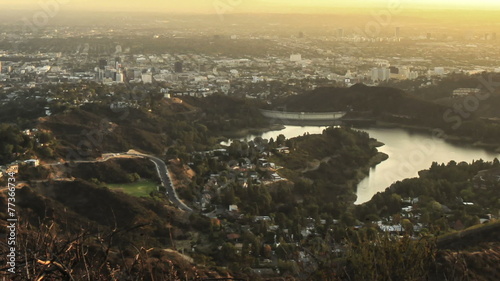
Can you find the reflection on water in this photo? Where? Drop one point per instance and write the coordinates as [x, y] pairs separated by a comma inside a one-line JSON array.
[[288, 132], [409, 152]]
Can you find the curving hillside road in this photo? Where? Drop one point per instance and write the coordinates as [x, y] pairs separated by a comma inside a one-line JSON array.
[[161, 168], [164, 175]]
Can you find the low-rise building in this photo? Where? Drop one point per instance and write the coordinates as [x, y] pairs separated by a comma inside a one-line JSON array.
[[463, 92]]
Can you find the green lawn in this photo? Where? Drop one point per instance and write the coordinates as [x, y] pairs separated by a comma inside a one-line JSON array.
[[141, 188]]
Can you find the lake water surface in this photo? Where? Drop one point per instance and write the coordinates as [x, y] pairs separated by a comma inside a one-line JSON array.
[[409, 152]]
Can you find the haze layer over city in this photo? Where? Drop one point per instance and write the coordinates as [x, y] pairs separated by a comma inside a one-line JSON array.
[[250, 140]]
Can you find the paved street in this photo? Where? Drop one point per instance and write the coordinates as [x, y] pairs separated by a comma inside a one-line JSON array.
[[161, 168]]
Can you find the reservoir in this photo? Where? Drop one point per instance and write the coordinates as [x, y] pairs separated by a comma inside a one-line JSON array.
[[409, 152]]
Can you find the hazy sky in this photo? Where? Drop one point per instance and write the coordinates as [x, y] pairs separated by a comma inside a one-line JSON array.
[[243, 6]]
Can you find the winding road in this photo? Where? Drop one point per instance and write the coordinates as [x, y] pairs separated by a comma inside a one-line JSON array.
[[161, 168], [164, 175]]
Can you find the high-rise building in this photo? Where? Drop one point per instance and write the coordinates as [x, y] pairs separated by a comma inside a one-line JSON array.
[[493, 36], [178, 67], [100, 74], [118, 63], [384, 74], [374, 74], [103, 63], [429, 36], [413, 75], [119, 77], [147, 78], [380, 74], [396, 34]]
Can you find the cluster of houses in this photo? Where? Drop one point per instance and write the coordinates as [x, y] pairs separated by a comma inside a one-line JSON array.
[[234, 223], [14, 166], [241, 171]]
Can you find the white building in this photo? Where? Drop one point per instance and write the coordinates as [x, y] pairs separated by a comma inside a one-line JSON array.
[[147, 78], [404, 72], [200, 79], [462, 92], [33, 162], [119, 77], [413, 75], [295, 57], [380, 74], [438, 70]]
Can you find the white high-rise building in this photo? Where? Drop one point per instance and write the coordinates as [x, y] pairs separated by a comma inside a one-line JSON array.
[[119, 77], [380, 74], [374, 74], [384, 74], [413, 75], [100, 74], [147, 78]]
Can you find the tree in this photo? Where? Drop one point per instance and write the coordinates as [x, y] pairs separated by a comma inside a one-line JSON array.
[[228, 197], [280, 140], [228, 252], [467, 194], [46, 152], [387, 259], [235, 149], [436, 206], [267, 251], [348, 219], [408, 226], [396, 219], [44, 137]]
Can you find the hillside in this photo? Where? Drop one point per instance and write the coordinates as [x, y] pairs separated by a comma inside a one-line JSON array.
[[470, 254], [373, 101], [194, 124], [485, 109], [70, 227], [394, 106]]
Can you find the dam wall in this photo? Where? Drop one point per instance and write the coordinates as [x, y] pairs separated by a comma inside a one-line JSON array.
[[303, 116]]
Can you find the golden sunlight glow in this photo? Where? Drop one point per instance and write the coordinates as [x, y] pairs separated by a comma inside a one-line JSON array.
[[243, 6]]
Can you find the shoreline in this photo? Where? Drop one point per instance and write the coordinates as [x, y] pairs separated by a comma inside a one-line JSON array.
[[363, 172], [491, 147], [453, 139], [251, 131]]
